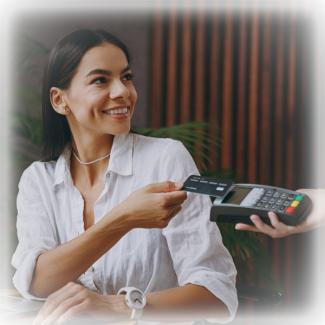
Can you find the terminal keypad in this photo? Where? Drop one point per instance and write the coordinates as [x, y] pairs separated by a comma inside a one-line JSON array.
[[279, 201]]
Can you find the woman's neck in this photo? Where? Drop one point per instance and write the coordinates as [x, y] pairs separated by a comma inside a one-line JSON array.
[[89, 150]]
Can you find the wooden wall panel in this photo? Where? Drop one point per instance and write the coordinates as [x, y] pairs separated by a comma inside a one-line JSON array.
[[214, 77], [253, 97], [199, 66], [241, 120], [242, 72], [171, 69], [227, 95], [265, 105], [291, 102], [156, 70], [278, 152], [185, 64]]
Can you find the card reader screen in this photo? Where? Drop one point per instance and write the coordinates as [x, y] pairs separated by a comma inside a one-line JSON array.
[[237, 195]]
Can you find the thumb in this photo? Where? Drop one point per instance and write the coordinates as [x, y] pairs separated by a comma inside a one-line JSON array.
[[167, 186]]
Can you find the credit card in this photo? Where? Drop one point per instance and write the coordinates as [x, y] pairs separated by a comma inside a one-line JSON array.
[[207, 185]]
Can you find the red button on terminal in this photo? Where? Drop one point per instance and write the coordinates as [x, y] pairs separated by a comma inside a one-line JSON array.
[[290, 210]]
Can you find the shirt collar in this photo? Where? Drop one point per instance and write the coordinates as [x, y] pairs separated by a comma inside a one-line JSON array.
[[62, 166], [121, 159]]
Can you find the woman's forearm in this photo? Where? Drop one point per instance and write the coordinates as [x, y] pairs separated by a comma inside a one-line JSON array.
[[188, 302], [149, 207], [67, 262]]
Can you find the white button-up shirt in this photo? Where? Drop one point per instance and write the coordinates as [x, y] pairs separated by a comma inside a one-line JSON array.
[[188, 250]]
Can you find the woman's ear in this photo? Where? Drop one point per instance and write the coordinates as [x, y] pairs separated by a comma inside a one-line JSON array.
[[57, 101]]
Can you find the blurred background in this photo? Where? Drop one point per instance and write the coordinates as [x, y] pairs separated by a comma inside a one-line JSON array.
[[233, 84]]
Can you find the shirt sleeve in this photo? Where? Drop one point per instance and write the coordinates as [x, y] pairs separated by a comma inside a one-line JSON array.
[[195, 243], [34, 231]]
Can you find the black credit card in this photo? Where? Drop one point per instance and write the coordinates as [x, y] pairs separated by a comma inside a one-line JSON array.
[[207, 185]]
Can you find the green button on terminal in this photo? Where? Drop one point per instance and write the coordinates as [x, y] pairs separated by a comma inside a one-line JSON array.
[[299, 197]]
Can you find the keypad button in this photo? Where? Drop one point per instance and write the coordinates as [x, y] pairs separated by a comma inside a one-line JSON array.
[[272, 200], [291, 196], [274, 207], [283, 195], [281, 208], [286, 203], [269, 193], [266, 206], [259, 204], [279, 201], [276, 194], [264, 199], [295, 203], [290, 210]]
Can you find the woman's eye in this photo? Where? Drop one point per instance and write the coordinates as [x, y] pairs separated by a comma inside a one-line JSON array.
[[128, 76], [99, 81]]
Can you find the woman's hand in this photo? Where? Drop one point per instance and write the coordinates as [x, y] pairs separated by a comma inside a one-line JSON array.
[[75, 301], [152, 206], [315, 219]]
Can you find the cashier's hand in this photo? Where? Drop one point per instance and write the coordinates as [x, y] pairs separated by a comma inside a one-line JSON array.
[[75, 302], [315, 219]]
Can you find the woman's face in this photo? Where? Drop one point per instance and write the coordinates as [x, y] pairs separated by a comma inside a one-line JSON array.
[[101, 96]]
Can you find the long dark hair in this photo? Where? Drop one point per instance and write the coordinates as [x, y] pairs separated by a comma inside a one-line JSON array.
[[62, 64]]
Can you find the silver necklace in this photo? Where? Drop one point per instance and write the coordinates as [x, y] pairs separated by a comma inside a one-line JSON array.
[[89, 162]]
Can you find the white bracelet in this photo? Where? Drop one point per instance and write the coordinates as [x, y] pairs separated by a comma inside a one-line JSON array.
[[135, 299]]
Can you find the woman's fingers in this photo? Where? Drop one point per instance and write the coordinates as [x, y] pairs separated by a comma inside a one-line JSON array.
[[276, 223], [276, 230], [163, 187], [55, 299], [61, 309], [174, 211], [260, 225], [244, 226], [171, 213], [175, 198], [281, 229], [72, 312]]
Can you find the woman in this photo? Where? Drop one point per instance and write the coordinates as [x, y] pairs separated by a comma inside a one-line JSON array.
[[98, 214]]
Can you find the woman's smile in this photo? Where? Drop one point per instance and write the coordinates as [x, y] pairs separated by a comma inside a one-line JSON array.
[[118, 113]]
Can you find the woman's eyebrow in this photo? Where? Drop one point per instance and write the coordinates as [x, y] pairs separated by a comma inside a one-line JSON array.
[[105, 72]]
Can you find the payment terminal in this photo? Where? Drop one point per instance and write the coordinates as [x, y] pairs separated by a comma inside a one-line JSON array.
[[235, 203]]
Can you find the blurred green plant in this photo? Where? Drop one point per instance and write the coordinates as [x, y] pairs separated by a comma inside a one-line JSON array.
[[194, 135]]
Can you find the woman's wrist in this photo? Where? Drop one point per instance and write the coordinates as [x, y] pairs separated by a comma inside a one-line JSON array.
[[116, 303], [116, 221]]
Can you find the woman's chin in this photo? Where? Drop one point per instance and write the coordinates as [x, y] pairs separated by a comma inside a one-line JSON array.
[[119, 130]]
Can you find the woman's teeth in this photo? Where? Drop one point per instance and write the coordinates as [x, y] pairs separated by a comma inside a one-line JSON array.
[[123, 110]]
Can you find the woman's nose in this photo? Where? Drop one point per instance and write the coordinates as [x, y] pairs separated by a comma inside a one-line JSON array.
[[118, 89]]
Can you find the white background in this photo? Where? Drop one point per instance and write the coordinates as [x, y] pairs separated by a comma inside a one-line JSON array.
[[314, 9]]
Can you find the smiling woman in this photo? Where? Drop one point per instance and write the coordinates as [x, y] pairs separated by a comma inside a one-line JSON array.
[[79, 77], [101, 91], [104, 212]]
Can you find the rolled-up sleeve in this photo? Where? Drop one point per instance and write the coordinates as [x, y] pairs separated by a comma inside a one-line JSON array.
[[195, 244], [34, 230]]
